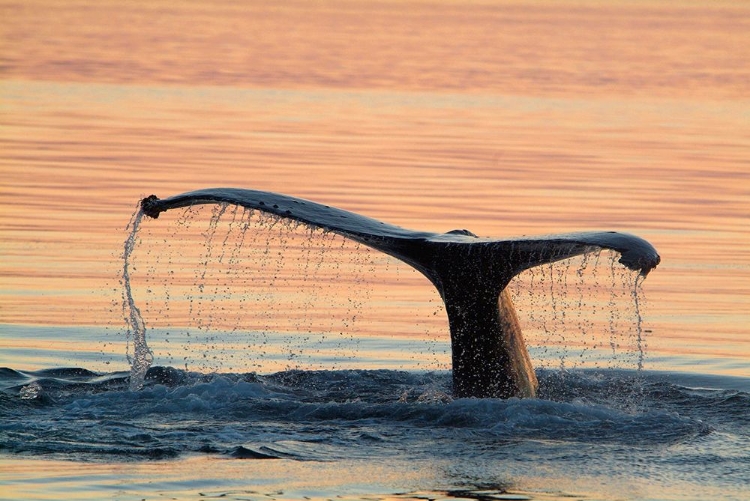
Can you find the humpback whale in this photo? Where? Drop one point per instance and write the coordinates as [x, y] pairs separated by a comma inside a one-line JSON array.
[[489, 356]]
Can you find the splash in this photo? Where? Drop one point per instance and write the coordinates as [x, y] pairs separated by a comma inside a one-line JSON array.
[[471, 274], [142, 357], [241, 290], [637, 282], [582, 313], [233, 289]]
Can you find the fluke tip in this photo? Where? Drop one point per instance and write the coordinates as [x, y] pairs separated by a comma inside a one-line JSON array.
[[150, 206]]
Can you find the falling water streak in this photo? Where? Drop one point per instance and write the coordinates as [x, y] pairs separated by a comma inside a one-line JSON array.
[[211, 346], [142, 355], [326, 292], [308, 268], [361, 255], [203, 325], [580, 319], [639, 278], [266, 222], [223, 291], [281, 279], [222, 270], [306, 249], [612, 309], [556, 312], [234, 274]]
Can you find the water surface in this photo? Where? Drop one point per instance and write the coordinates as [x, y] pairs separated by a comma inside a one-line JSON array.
[[506, 118]]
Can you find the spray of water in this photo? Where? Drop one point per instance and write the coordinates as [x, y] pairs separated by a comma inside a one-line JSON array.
[[142, 357], [583, 312], [245, 290]]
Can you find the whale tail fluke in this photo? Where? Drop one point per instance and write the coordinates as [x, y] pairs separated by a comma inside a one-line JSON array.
[[489, 355]]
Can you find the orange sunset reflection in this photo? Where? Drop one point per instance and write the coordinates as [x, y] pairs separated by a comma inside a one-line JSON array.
[[605, 115]]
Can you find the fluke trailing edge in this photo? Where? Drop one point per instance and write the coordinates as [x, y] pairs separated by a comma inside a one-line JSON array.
[[488, 351]]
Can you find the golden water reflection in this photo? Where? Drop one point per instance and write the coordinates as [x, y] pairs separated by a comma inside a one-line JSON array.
[[500, 117]]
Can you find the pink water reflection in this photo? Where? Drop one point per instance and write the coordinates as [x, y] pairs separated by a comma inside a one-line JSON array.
[[506, 119]]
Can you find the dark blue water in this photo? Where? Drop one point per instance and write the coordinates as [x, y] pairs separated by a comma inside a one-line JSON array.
[[684, 429]]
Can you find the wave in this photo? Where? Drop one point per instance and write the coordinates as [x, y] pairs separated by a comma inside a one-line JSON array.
[[329, 415]]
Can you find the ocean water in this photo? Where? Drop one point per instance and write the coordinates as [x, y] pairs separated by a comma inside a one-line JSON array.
[[382, 433], [293, 364]]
